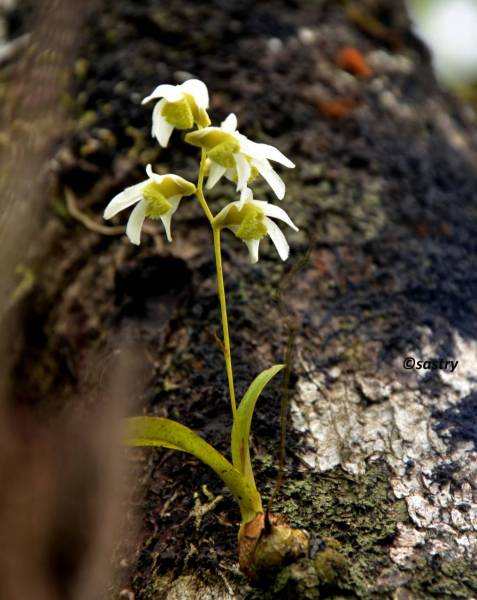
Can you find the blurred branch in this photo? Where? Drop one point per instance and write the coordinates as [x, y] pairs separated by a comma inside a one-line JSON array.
[[31, 119]]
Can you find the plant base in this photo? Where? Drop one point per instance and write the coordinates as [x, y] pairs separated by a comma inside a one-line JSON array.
[[267, 543]]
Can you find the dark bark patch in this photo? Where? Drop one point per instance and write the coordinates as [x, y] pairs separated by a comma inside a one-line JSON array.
[[145, 284], [458, 423]]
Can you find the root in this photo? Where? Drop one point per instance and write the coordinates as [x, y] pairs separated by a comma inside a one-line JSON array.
[[87, 221]]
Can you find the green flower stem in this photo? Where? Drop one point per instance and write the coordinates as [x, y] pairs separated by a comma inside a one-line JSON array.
[[220, 281], [225, 323], [200, 188]]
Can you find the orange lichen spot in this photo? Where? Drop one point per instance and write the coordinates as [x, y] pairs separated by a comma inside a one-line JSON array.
[[324, 262], [351, 60], [336, 109], [445, 230], [423, 230]]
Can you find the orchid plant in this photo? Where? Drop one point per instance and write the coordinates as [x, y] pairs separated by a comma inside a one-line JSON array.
[[224, 152]]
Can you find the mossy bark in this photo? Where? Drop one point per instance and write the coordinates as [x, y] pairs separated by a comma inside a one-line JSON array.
[[381, 460]]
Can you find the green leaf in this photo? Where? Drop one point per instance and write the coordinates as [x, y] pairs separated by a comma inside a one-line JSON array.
[[243, 421], [157, 431]]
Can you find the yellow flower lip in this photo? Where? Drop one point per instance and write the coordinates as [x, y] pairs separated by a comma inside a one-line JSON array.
[[179, 114], [157, 204], [223, 153], [252, 226]]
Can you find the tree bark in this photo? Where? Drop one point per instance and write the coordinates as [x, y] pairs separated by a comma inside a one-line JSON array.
[[381, 459]]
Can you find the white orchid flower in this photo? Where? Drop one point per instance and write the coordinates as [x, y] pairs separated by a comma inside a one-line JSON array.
[[251, 222], [232, 154], [157, 197], [181, 106]]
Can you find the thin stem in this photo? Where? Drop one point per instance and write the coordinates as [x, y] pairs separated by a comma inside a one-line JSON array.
[[292, 327], [225, 324], [220, 281], [284, 408], [200, 188]]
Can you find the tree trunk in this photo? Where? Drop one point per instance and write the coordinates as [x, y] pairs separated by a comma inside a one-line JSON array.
[[381, 459]]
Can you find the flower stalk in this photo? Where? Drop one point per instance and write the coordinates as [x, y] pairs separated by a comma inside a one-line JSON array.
[[200, 187], [225, 323]]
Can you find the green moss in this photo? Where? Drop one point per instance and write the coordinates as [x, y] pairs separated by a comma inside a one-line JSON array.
[[81, 68], [329, 565], [309, 578], [443, 579], [299, 580], [358, 519], [87, 119], [107, 137], [112, 37], [59, 208]]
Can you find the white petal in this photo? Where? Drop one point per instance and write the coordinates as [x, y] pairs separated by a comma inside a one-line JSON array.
[[278, 213], [247, 146], [274, 154], [134, 226], [166, 218], [198, 90], [244, 170], [161, 129], [230, 123], [154, 176], [172, 93], [246, 195], [260, 203], [231, 175], [215, 173], [126, 198], [277, 238], [263, 151], [252, 246], [271, 177]]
